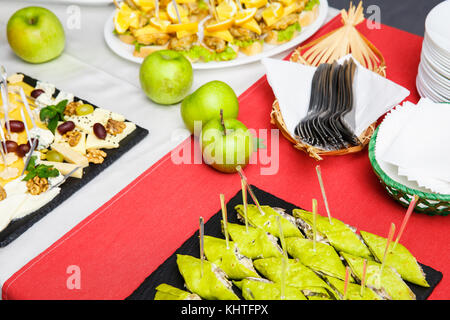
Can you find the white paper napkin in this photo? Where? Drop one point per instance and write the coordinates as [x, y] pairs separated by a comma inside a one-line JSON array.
[[374, 95], [416, 140]]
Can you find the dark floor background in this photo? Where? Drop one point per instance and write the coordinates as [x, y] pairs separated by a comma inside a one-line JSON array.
[[408, 15]]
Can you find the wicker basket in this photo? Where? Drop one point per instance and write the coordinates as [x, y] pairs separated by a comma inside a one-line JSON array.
[[350, 20], [429, 203]]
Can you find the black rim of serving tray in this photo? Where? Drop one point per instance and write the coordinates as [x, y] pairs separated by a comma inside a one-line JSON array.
[[19, 226], [168, 272]]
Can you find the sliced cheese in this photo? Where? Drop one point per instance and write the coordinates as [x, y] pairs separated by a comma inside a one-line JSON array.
[[80, 147], [65, 168], [85, 123], [70, 155], [110, 142]]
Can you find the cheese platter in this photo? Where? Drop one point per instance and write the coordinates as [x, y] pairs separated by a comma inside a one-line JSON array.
[[53, 144]]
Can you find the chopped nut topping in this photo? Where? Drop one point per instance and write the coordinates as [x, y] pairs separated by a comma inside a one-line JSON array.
[[72, 107], [72, 137], [115, 127], [2, 193], [96, 156], [37, 185]]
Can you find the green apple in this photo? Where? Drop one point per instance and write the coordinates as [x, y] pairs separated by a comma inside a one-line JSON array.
[[35, 34], [226, 144], [205, 103], [166, 76]]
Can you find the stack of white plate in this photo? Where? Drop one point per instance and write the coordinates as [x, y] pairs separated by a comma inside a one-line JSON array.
[[433, 78]]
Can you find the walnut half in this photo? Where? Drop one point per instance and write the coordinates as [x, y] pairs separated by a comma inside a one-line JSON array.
[[71, 108], [37, 185], [96, 156], [72, 137], [114, 127], [2, 193]]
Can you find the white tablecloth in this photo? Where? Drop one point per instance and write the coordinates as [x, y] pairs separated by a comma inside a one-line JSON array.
[[90, 70]]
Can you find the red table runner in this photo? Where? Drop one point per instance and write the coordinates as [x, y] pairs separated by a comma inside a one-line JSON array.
[[125, 240]]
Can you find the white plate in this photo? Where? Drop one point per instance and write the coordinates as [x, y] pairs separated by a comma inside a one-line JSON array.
[[437, 25], [126, 50], [427, 89]]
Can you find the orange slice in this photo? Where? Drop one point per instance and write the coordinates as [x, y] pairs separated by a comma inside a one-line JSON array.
[[145, 5], [226, 9], [189, 27], [171, 11], [159, 23], [254, 3], [244, 16], [125, 17], [272, 13], [219, 26], [252, 25], [287, 2]]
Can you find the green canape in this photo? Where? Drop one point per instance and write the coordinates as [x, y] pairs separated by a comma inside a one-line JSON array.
[[338, 234], [167, 292], [254, 244], [387, 284], [268, 221], [262, 289], [235, 265], [400, 259], [297, 275], [353, 290], [323, 260], [210, 284]]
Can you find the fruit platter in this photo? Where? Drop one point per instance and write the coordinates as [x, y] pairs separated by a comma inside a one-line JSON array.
[[212, 34], [275, 250], [53, 143]]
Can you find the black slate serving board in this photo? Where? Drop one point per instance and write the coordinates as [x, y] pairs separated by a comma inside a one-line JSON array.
[[168, 271], [72, 185]]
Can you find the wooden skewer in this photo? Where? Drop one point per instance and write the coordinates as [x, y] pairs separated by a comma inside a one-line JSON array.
[[322, 188], [243, 177], [363, 278], [411, 207], [244, 201], [347, 277], [283, 261], [201, 237], [314, 210], [116, 4], [225, 219], [3, 145], [386, 250]]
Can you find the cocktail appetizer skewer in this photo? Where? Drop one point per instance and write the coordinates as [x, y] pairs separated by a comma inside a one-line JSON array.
[[411, 206], [255, 200], [347, 273], [341, 236], [224, 219], [322, 189], [263, 289], [5, 97], [202, 243], [386, 249], [33, 146], [244, 201], [268, 221], [283, 262], [65, 178], [27, 107], [26, 126], [314, 210], [177, 11], [363, 278], [3, 149]]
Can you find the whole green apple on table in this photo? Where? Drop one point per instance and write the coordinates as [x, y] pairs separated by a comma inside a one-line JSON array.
[[36, 35]]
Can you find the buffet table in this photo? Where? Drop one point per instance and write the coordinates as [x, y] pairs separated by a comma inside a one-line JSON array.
[[127, 221]]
